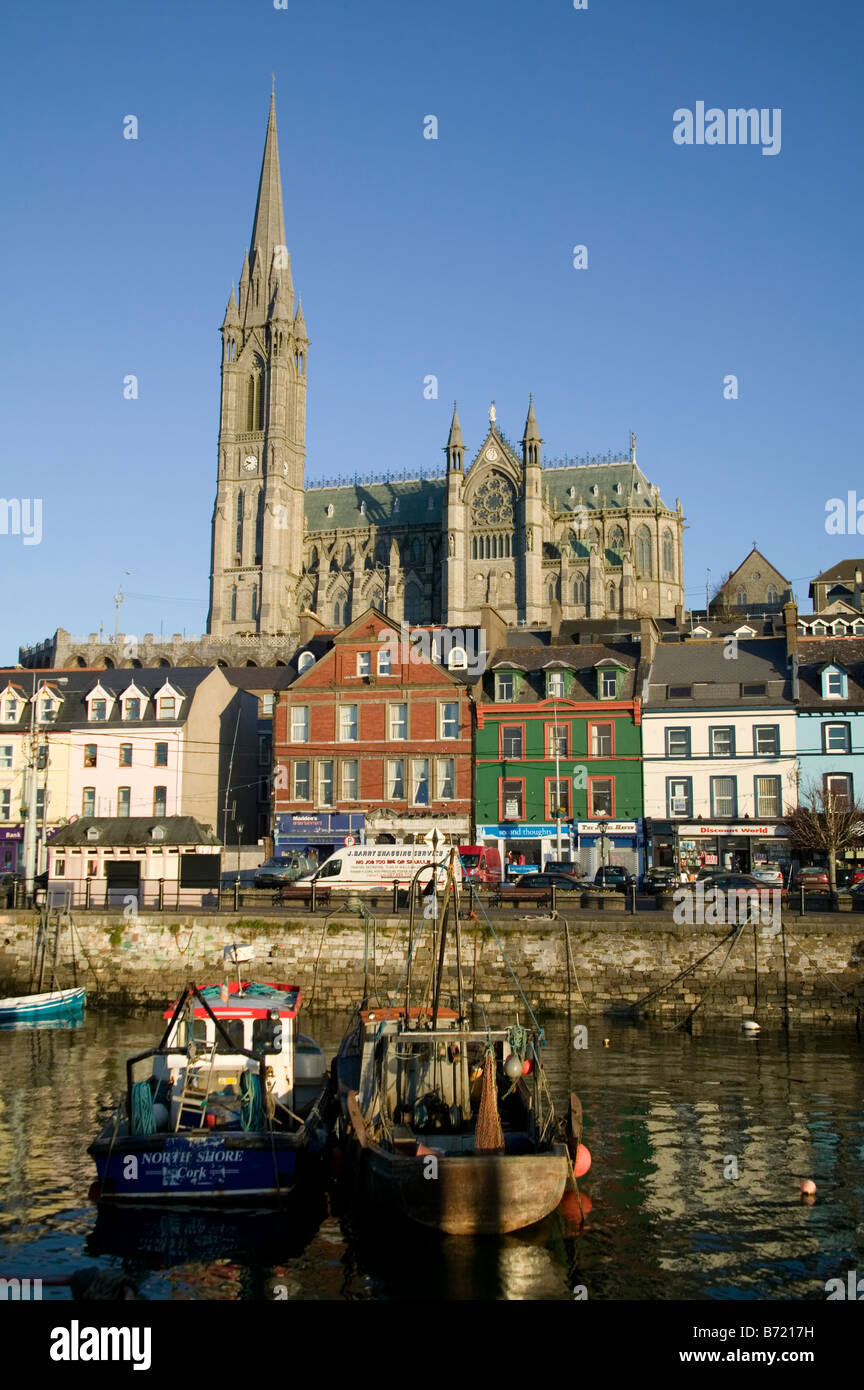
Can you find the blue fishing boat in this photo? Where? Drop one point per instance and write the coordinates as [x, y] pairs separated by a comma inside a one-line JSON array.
[[57, 1006], [230, 1106]]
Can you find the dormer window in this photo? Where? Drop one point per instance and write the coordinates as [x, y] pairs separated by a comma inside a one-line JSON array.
[[98, 703], [834, 683], [167, 707], [99, 710], [304, 661], [132, 708], [329, 509], [92, 832], [47, 709], [608, 685], [504, 685], [458, 659], [10, 710], [555, 684]]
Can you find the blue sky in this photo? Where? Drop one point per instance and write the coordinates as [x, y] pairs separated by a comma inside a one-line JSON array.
[[450, 257]]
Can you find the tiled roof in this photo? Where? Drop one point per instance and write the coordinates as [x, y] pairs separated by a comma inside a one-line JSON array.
[[582, 660], [817, 652], [421, 502], [134, 830], [716, 674]]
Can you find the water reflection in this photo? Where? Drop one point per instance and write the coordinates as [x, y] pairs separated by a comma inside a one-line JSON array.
[[669, 1118]]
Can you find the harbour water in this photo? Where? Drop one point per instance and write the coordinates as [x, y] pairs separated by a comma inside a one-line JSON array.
[[699, 1146]]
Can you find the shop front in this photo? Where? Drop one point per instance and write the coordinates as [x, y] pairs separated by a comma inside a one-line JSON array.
[[11, 841], [319, 835], [600, 842], [384, 826], [737, 847], [523, 847]]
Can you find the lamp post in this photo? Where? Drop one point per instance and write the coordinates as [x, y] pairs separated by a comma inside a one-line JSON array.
[[557, 786]]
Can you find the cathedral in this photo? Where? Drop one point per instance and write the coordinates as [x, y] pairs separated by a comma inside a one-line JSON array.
[[507, 528]]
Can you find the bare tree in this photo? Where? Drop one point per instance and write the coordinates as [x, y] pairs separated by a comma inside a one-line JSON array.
[[718, 604], [827, 823]]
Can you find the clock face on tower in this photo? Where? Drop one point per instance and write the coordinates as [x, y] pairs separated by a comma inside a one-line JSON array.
[[250, 463]]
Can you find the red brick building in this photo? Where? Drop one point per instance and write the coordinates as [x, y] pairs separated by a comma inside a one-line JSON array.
[[373, 738]]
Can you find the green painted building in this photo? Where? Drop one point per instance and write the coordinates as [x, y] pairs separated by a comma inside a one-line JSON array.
[[579, 700]]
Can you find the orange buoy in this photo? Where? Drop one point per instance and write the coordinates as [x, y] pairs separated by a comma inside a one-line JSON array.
[[575, 1206], [527, 1067], [808, 1188], [582, 1163]]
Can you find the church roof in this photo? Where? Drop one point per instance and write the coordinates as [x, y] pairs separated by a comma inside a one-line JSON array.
[[412, 502], [618, 486]]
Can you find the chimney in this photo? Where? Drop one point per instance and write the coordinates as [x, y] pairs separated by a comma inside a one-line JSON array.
[[679, 616], [554, 622], [650, 637], [790, 618], [494, 627], [310, 626]]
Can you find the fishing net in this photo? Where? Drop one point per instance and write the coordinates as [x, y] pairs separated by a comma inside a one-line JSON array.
[[488, 1134]]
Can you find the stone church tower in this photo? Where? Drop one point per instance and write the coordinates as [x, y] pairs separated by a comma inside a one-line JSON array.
[[258, 517]]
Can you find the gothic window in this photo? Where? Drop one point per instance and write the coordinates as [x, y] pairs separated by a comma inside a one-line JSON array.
[[593, 537], [412, 604], [234, 605], [377, 601], [616, 543], [643, 550], [494, 503], [238, 546], [668, 553], [254, 604], [259, 530], [612, 599], [381, 553], [340, 611], [554, 590], [771, 594], [254, 400], [313, 558], [347, 562], [473, 547], [741, 598], [416, 551], [579, 589]]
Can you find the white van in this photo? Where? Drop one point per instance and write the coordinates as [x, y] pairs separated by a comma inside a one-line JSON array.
[[375, 867]]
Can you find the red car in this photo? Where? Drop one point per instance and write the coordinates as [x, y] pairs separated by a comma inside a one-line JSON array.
[[814, 879]]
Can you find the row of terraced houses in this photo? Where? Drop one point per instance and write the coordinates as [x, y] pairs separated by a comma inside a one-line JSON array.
[[638, 742]]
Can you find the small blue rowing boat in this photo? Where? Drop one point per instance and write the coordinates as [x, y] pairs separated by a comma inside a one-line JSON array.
[[55, 1006]]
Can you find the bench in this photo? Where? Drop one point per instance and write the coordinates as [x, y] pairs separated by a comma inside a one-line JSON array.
[[290, 893], [517, 892]]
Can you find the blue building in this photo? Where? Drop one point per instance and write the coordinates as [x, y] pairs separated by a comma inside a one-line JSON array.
[[830, 719]]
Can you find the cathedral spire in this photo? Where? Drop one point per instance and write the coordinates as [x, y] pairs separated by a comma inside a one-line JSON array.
[[455, 448], [531, 440], [268, 230], [232, 316]]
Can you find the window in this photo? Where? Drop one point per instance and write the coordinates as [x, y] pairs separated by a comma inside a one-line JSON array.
[[420, 781], [679, 692], [558, 740], [512, 798], [771, 594], [89, 754], [59, 868], [748, 691], [325, 782], [48, 709], [347, 723], [301, 781], [838, 789], [99, 710], [304, 661], [766, 740], [601, 796], [446, 779], [364, 663], [724, 796], [398, 723], [721, 741], [449, 720], [679, 796], [677, 743], [557, 797], [132, 708], [160, 755], [265, 750], [643, 550], [385, 662], [10, 710], [6, 751], [608, 685], [125, 759], [395, 779], [555, 684], [300, 724], [124, 800], [40, 803], [167, 707], [836, 738], [88, 801], [268, 704], [349, 780], [160, 801], [741, 598], [504, 686], [5, 804], [511, 740], [579, 590], [767, 797], [668, 553], [602, 740], [834, 684]]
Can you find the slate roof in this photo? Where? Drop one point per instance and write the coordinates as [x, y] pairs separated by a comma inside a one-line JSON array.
[[716, 677], [582, 660], [134, 830], [814, 653], [79, 684], [844, 570]]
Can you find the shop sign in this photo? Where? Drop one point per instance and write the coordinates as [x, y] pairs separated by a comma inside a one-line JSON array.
[[748, 829]]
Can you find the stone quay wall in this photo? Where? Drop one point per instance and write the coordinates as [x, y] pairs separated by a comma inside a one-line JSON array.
[[145, 959]]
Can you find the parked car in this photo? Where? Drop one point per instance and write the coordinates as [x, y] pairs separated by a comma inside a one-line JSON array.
[[772, 876], [844, 877], [740, 884], [563, 866], [660, 879], [614, 876], [283, 868], [568, 882], [815, 880]]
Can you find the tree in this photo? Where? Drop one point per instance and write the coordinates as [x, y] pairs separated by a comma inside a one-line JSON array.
[[718, 604], [827, 823]]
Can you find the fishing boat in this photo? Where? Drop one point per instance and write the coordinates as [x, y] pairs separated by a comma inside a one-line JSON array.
[[56, 1006], [231, 1105], [448, 1125]]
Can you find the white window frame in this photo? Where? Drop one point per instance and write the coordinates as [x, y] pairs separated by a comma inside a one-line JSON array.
[[445, 774], [298, 795], [299, 726], [348, 726], [321, 779], [364, 663], [443, 721], [392, 724], [418, 780], [395, 779], [349, 792]]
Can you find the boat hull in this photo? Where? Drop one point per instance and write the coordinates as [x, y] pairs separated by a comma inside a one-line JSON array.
[[205, 1167], [478, 1194], [41, 1008]]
